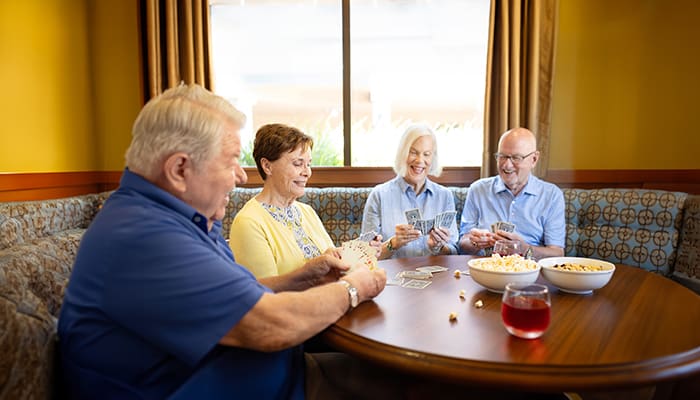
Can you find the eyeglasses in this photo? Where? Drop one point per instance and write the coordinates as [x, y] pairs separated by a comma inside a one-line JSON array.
[[515, 159]]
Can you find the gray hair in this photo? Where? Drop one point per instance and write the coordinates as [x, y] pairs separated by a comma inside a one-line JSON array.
[[186, 118], [412, 133]]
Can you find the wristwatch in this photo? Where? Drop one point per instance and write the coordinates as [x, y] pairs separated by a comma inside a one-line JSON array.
[[352, 293]]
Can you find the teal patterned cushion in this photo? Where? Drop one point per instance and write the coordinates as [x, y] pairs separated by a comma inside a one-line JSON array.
[[628, 226]]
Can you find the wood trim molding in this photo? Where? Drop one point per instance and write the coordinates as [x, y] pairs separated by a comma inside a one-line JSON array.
[[40, 186]]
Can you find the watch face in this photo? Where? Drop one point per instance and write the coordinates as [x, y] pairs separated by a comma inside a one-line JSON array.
[[353, 297]]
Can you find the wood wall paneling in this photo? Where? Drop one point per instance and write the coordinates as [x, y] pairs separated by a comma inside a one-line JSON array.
[[39, 186]]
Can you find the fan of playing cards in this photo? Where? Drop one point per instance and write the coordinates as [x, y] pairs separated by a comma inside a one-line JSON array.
[[442, 220], [358, 252]]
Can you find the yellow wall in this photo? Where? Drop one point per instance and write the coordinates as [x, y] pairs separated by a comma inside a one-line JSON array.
[[627, 85], [69, 73], [117, 77], [625, 92], [45, 107]]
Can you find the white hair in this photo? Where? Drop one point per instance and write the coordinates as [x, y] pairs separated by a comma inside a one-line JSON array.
[[412, 133], [186, 118]]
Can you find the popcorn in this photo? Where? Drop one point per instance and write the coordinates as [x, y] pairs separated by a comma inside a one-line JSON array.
[[478, 304], [462, 294], [511, 263], [453, 316], [458, 273]]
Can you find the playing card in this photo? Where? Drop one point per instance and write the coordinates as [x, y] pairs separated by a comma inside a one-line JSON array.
[[357, 252], [415, 275], [412, 216], [396, 281], [428, 225], [446, 219], [416, 284], [431, 269], [505, 226], [367, 236]]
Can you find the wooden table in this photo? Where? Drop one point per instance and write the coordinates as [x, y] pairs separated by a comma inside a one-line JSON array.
[[640, 329]]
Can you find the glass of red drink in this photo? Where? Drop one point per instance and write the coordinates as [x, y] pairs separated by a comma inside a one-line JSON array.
[[506, 247], [525, 309]]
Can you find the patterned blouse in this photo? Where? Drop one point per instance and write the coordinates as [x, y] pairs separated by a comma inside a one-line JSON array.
[[291, 218]]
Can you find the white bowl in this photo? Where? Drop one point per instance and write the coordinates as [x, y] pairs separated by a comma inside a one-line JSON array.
[[578, 282], [496, 281]]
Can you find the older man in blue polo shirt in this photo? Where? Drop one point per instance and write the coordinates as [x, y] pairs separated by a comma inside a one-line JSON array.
[[157, 307], [534, 206]]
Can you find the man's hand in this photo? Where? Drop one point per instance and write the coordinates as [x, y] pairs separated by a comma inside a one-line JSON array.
[[325, 268], [369, 283]]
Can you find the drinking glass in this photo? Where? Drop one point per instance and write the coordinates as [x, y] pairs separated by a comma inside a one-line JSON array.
[[525, 309], [506, 247]]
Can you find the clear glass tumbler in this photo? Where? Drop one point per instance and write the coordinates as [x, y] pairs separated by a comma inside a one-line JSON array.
[[525, 309]]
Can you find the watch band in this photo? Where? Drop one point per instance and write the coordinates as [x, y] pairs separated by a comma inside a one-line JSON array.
[[352, 293], [389, 246]]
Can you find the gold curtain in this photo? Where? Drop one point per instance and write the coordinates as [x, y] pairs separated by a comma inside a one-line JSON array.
[[519, 74], [176, 44]]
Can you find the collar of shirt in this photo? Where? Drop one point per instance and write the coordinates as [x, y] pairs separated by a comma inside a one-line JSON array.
[[429, 185], [533, 186], [135, 182]]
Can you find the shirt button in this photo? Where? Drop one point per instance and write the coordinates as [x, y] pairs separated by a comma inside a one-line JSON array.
[[197, 219]]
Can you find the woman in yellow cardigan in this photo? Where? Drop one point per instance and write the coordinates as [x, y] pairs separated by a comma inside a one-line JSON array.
[[274, 233]]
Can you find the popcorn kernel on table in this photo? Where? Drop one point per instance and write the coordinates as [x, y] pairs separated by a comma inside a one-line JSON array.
[[458, 273], [462, 294], [453, 316], [478, 304]]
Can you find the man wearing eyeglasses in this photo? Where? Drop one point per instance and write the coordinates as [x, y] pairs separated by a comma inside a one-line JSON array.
[[515, 196]]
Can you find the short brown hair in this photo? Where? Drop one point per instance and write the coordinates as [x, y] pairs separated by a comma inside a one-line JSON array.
[[272, 140]]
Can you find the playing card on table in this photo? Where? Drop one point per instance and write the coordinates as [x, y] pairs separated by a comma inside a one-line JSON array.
[[415, 275], [367, 236], [416, 284], [431, 269], [357, 252], [412, 216]]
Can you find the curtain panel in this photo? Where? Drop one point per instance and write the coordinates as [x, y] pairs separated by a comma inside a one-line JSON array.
[[519, 75], [176, 44]]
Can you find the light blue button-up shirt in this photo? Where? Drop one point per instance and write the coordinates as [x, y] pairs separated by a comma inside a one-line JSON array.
[[386, 206], [537, 212]]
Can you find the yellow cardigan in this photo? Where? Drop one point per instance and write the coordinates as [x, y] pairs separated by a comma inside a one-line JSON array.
[[268, 248]]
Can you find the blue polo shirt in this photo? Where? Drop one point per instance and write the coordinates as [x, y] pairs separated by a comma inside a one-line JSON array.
[[537, 211], [151, 294]]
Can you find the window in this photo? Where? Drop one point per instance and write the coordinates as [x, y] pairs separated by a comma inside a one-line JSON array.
[[410, 61]]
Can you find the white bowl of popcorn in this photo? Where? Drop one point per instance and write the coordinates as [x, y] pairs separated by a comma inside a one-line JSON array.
[[577, 275], [496, 271]]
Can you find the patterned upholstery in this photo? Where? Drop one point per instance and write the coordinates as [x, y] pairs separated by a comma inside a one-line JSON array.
[[687, 265], [339, 208], [39, 240], [629, 226]]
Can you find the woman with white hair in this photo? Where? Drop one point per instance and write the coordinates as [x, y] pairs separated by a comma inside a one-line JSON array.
[[385, 210]]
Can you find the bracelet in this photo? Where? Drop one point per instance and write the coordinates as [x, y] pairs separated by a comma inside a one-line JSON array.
[[436, 250], [389, 246]]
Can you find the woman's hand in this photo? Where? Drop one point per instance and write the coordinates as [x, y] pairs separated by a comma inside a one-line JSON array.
[[376, 244], [333, 252], [404, 234], [438, 237]]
